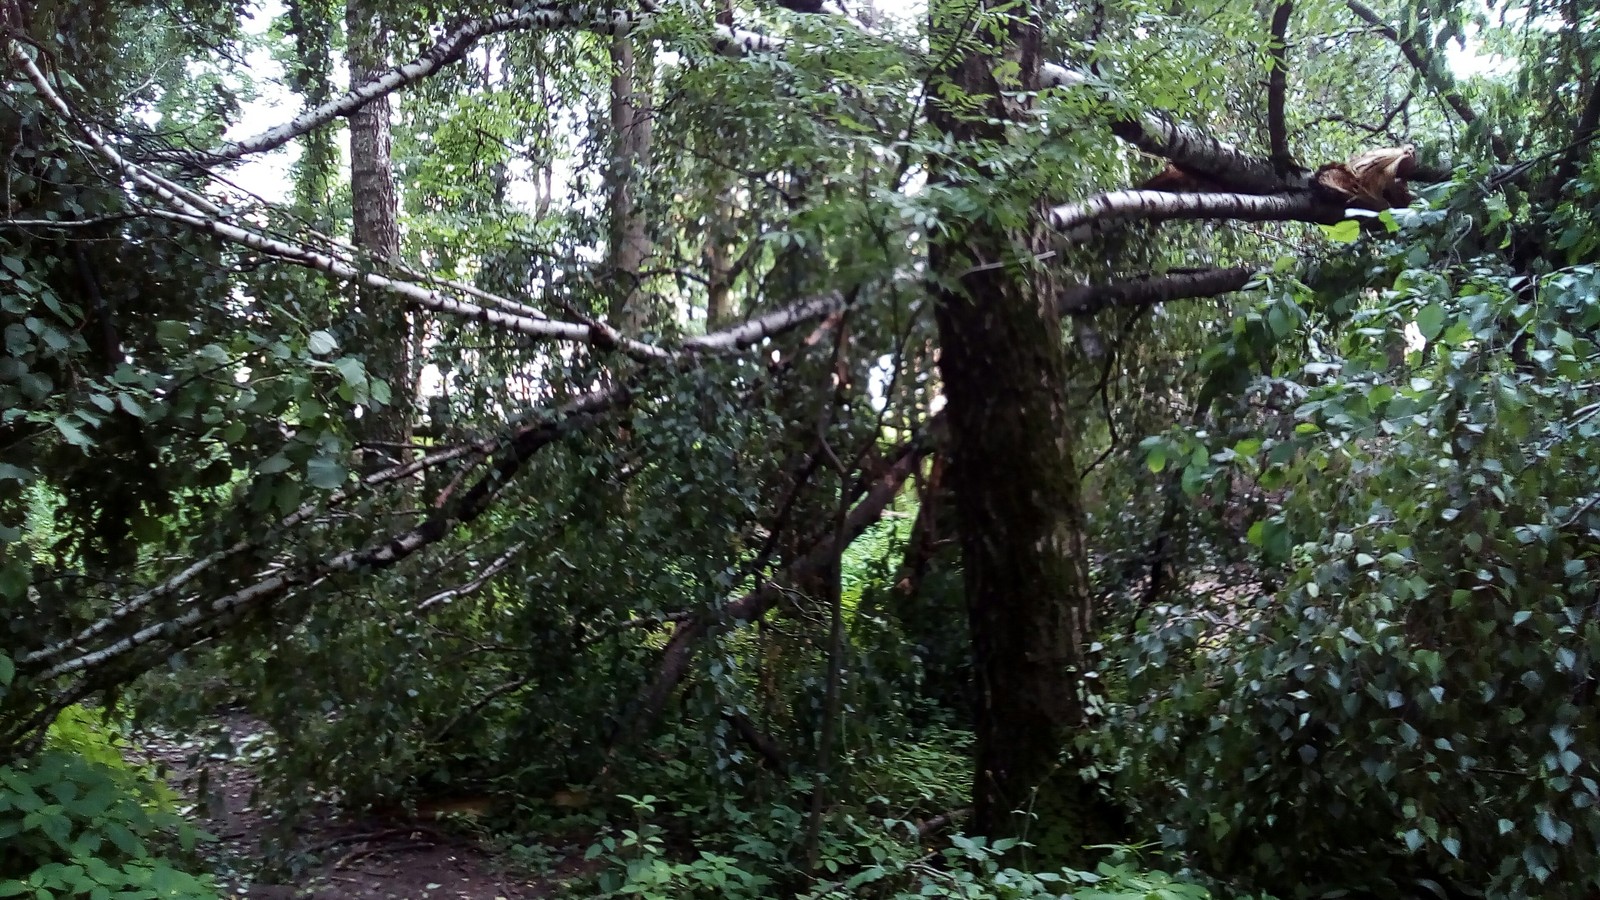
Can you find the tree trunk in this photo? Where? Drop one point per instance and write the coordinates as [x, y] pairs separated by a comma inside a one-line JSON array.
[[719, 257], [630, 154], [385, 332], [1011, 470]]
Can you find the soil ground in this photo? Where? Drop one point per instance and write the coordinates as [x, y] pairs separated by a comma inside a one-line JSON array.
[[344, 858]]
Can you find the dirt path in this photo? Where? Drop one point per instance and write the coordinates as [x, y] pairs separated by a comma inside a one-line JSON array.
[[368, 859]]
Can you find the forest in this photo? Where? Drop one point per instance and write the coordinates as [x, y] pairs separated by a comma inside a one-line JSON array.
[[1099, 449]]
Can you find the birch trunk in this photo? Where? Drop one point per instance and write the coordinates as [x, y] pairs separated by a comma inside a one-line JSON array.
[[375, 227], [630, 136]]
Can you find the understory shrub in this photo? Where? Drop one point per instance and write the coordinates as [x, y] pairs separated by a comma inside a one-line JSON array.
[[77, 820]]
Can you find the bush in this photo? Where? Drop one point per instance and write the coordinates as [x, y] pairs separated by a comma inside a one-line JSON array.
[[78, 821]]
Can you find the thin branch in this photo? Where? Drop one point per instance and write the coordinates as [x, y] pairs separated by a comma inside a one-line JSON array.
[[596, 333], [941, 820], [482, 703], [169, 192], [68, 224], [452, 48], [1380, 129], [1432, 75], [201, 214], [1578, 512], [760, 741], [451, 594], [1583, 134], [753, 331], [300, 516], [681, 647], [197, 212]]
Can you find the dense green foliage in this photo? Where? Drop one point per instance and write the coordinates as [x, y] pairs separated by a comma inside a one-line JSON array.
[[78, 821], [703, 606], [1423, 674]]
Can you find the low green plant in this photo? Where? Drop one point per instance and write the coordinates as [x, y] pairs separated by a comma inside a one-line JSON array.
[[642, 866], [77, 820], [97, 738], [973, 868], [856, 857]]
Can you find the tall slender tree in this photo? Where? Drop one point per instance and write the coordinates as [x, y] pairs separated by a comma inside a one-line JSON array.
[[375, 228], [631, 127]]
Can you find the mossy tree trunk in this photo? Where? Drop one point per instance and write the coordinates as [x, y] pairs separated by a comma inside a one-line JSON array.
[[1011, 473], [385, 326]]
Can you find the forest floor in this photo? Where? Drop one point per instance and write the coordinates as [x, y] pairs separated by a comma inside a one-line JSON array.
[[336, 857]]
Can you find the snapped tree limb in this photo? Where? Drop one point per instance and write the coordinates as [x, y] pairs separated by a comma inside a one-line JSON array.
[[452, 48], [685, 639], [1077, 222], [139, 602], [190, 626], [1151, 132], [1186, 146], [595, 333], [1153, 289], [450, 595], [502, 313]]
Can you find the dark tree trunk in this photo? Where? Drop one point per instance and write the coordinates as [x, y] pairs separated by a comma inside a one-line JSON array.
[[1011, 471]]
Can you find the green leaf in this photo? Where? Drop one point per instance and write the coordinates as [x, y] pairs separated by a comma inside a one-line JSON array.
[[73, 434], [170, 332], [1279, 321], [352, 371], [322, 343], [130, 406], [274, 464], [1157, 460], [125, 840], [1345, 232], [1552, 829], [325, 472], [1430, 321]]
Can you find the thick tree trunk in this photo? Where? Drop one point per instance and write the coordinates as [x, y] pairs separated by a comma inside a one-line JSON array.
[[630, 154], [375, 228], [1011, 469]]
